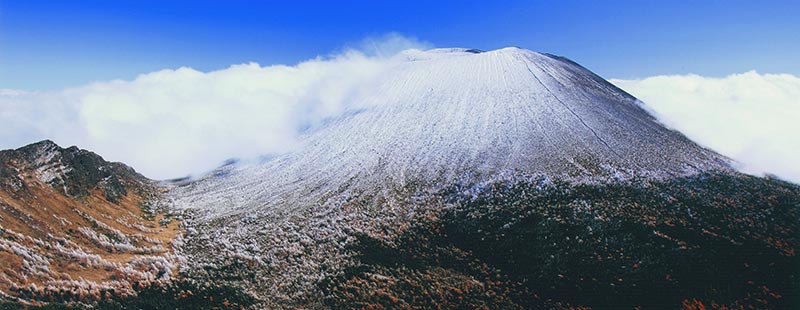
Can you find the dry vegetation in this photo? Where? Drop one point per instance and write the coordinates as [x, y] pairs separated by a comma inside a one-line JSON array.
[[79, 243], [72, 234], [705, 242]]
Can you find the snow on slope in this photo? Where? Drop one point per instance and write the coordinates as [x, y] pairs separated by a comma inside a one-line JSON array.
[[455, 115], [441, 117]]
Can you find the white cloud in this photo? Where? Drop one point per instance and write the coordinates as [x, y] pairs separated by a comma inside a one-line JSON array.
[[753, 118], [388, 45], [171, 123]]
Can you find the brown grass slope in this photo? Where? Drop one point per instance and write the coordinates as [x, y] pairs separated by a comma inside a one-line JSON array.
[[74, 227]]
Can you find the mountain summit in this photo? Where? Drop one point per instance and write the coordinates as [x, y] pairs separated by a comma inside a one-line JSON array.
[[446, 116], [439, 129]]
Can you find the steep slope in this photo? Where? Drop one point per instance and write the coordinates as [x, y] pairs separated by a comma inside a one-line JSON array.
[[74, 227], [440, 121], [452, 115]]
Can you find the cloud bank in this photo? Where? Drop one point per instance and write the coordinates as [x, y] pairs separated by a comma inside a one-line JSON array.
[[753, 118], [171, 123], [176, 122]]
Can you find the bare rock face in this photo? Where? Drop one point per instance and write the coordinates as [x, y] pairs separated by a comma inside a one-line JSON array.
[[441, 119]]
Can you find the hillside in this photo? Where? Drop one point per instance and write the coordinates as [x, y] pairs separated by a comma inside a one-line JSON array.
[[702, 242], [77, 228]]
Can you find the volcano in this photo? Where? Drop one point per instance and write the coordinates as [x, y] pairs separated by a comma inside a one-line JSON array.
[[457, 179], [448, 116]]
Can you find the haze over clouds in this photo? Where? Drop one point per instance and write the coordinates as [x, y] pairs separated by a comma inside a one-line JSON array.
[[753, 118], [171, 123]]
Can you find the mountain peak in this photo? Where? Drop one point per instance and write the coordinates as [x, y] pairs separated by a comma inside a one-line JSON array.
[[40, 149], [451, 116], [73, 171], [443, 120], [43, 143]]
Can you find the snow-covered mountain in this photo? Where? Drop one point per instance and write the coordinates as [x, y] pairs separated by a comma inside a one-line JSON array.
[[448, 116], [441, 119], [459, 179]]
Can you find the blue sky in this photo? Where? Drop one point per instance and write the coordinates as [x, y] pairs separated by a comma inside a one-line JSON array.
[[48, 45]]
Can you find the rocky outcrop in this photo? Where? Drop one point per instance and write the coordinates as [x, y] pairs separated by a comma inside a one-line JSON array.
[[71, 171]]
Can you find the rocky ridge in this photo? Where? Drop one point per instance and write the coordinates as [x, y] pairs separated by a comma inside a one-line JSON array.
[[76, 228]]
